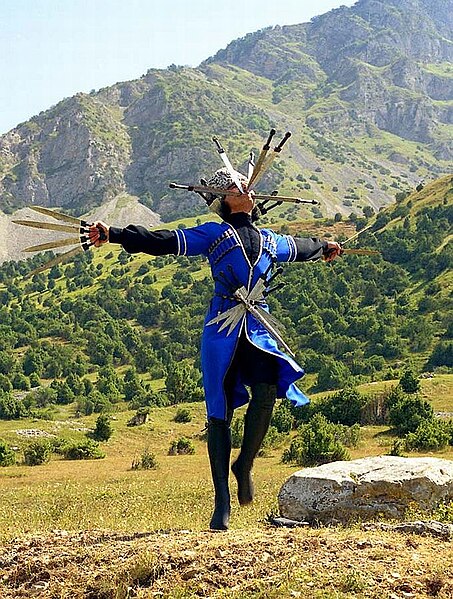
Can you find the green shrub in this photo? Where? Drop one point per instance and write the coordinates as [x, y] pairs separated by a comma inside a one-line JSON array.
[[47, 413], [237, 431], [430, 435], [34, 380], [398, 447], [37, 453], [7, 455], [64, 393], [103, 430], [43, 396], [282, 418], [442, 354], [94, 403], [11, 408], [332, 375], [181, 446], [183, 415], [344, 407], [316, 443], [272, 439], [83, 450], [58, 445], [5, 383], [348, 435], [147, 461], [182, 383], [406, 412], [409, 383], [21, 382]]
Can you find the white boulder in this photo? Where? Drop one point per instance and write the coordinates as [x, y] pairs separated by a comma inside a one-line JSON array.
[[366, 489]]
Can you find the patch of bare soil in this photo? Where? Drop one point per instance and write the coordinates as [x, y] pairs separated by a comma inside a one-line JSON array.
[[267, 562]]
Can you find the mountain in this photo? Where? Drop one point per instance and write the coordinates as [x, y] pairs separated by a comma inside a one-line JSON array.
[[383, 62], [367, 92]]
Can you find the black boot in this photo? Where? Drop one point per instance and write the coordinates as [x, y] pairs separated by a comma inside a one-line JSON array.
[[219, 450], [256, 424]]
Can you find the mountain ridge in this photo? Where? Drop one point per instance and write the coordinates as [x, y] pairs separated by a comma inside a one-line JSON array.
[[367, 109]]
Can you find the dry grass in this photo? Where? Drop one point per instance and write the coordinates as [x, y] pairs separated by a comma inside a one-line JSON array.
[[255, 563], [178, 494], [118, 517]]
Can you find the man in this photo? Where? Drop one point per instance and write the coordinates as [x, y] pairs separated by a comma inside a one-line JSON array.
[[240, 346]]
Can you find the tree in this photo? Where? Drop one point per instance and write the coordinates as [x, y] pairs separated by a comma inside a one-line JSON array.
[[43, 396], [333, 375], [11, 408], [409, 382], [133, 387], [32, 362], [282, 418], [34, 380], [5, 383], [20, 381], [103, 430], [368, 211], [109, 384], [442, 354], [64, 394], [182, 383], [75, 383], [7, 362], [344, 407], [407, 413], [316, 443]]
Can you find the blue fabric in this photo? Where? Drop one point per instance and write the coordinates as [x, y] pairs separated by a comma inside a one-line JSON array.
[[231, 268]]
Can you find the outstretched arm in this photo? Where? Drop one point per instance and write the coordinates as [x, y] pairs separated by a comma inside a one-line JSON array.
[[304, 249], [309, 249], [135, 238]]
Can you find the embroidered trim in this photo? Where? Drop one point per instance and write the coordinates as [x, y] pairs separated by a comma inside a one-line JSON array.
[[292, 248], [270, 244], [222, 245], [182, 242]]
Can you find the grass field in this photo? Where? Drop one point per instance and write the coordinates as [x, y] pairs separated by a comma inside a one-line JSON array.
[[107, 493], [100, 530]]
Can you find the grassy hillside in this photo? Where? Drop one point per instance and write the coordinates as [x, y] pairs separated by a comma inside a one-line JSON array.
[[108, 494], [96, 528]]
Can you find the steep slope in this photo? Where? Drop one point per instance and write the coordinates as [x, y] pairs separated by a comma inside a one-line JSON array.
[[373, 60], [366, 90]]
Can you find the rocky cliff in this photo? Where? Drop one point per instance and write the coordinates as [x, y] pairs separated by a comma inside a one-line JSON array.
[[366, 90]]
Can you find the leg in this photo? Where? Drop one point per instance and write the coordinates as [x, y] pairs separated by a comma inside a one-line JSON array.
[[219, 450], [256, 424]]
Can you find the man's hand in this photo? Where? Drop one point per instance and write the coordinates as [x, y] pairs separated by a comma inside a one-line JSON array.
[[332, 251], [99, 233]]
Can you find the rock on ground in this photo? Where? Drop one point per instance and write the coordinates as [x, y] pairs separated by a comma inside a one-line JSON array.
[[366, 489]]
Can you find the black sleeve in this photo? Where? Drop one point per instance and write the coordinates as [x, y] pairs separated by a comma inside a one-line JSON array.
[[309, 248], [135, 238]]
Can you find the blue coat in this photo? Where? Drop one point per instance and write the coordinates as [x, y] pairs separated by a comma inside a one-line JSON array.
[[230, 267]]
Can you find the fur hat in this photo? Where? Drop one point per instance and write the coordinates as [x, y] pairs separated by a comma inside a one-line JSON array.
[[221, 179]]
